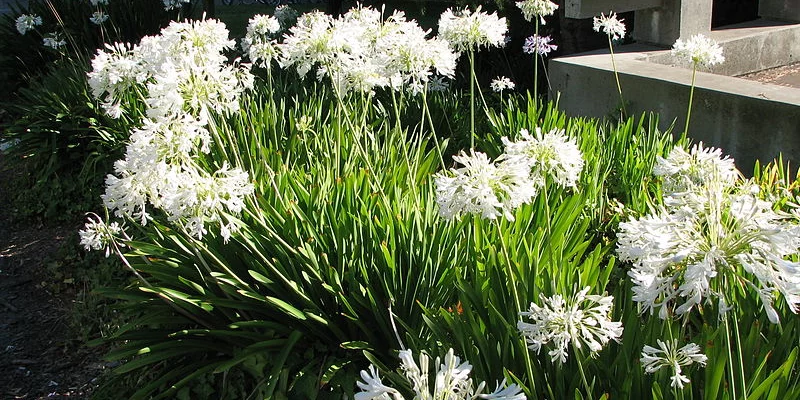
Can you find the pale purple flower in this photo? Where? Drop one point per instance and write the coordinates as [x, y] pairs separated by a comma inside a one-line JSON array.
[[540, 45]]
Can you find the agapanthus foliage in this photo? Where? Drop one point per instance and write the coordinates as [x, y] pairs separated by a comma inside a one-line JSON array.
[[450, 381], [537, 9], [580, 320], [710, 226], [610, 25], [668, 355], [360, 51], [185, 78], [700, 50], [468, 30]]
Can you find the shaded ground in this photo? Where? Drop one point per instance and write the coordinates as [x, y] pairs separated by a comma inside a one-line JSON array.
[[39, 358], [787, 75]]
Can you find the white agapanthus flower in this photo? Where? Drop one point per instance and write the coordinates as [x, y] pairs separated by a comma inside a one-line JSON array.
[[98, 2], [116, 71], [54, 40], [259, 43], [581, 320], [610, 25], [466, 30], [98, 17], [708, 226], [553, 154], [483, 187], [98, 235], [668, 355], [502, 83], [537, 9], [360, 51], [700, 50], [28, 22], [451, 381], [183, 75]]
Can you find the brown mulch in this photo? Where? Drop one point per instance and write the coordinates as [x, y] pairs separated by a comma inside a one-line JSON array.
[[39, 356]]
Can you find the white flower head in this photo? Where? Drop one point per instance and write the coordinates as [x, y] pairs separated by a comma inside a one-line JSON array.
[[670, 356], [467, 30], [98, 2], [451, 381], [502, 83], [54, 40], [28, 22], [694, 173], [98, 235], [551, 155], [541, 45], [98, 17], [483, 187], [581, 320], [700, 50], [537, 8], [611, 26], [259, 43]]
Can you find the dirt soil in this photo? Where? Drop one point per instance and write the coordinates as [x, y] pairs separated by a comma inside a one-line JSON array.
[[787, 75], [39, 359]]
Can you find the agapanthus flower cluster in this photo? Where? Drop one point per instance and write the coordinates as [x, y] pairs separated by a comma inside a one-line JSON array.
[[610, 25], [581, 320], [700, 50], [54, 40], [466, 30], [710, 224], [259, 44], [184, 77], [554, 155], [496, 188], [502, 83], [541, 45], [668, 355], [537, 9], [483, 187], [361, 51], [28, 22], [451, 381], [98, 235], [98, 2], [98, 17]]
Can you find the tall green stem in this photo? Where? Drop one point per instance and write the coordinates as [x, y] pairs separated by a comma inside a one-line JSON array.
[[616, 76], [689, 111], [536, 63], [472, 99]]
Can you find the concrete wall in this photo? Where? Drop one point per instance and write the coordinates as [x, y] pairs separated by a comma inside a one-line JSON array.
[[748, 120]]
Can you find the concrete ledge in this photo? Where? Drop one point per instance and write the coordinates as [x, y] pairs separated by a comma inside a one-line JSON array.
[[750, 47], [748, 120]]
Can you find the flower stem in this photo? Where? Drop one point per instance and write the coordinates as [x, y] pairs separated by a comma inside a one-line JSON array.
[[536, 65], [616, 76], [689, 111], [578, 356], [472, 99]]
